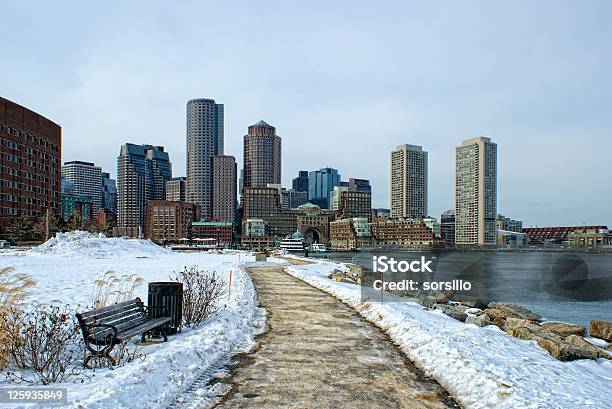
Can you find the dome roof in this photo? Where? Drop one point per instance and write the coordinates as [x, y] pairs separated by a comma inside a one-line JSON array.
[[297, 235]]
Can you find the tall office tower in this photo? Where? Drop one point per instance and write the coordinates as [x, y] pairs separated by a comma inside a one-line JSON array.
[[176, 189], [300, 183], [109, 193], [204, 140], [475, 192], [321, 184], [360, 185], [408, 182], [86, 179], [262, 156], [142, 173], [225, 173]]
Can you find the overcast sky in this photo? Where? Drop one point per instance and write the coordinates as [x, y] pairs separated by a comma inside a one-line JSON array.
[[343, 83]]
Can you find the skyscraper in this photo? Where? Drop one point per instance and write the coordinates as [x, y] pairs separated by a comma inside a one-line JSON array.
[[262, 156], [142, 173], [86, 179], [109, 193], [408, 182], [476, 192], [360, 185], [225, 173], [321, 183], [204, 140], [300, 183]]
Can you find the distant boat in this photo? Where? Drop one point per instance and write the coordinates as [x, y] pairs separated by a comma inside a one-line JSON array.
[[293, 243], [318, 248]]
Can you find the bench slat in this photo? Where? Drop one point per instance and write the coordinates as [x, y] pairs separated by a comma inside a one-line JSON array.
[[100, 311]]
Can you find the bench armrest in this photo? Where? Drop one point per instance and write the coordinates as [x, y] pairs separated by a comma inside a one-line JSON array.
[[99, 325], [158, 307]]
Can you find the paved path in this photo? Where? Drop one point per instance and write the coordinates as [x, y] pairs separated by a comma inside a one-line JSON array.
[[318, 353]]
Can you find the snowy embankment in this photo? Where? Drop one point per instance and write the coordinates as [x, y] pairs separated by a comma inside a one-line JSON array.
[[480, 367], [65, 270]]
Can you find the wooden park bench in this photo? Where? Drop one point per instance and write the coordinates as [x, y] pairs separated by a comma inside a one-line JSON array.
[[103, 328]]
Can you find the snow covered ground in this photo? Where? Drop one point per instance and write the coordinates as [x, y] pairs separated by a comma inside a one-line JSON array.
[[480, 367], [65, 270]]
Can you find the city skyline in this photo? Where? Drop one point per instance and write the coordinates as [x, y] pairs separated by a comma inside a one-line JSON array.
[[508, 85]]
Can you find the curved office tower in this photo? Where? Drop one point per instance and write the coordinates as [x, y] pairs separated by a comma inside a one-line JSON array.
[[204, 140], [262, 156]]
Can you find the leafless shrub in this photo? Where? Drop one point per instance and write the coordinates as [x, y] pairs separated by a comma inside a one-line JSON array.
[[123, 354], [202, 293], [13, 291], [45, 344]]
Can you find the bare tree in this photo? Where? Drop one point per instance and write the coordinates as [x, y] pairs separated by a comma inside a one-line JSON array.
[[202, 293]]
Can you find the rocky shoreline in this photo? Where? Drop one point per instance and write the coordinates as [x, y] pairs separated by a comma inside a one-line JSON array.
[[563, 341]]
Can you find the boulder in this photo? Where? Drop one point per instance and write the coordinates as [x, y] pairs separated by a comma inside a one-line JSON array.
[[510, 310], [580, 342], [451, 311], [601, 329], [469, 301], [427, 301], [563, 329], [563, 351], [481, 320], [514, 326]]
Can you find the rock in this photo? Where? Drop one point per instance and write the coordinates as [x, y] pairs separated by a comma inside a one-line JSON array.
[[580, 342], [510, 310], [601, 329], [469, 301], [563, 351], [500, 322], [551, 342], [480, 320], [451, 311], [563, 329], [517, 326], [427, 301]]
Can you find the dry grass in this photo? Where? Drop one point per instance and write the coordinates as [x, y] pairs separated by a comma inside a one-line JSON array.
[[14, 289], [113, 289]]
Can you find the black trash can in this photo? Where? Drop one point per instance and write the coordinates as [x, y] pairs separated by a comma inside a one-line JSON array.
[[168, 294]]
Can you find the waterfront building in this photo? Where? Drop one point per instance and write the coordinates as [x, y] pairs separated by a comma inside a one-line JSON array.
[[508, 224], [300, 183], [30, 173], [221, 232], [360, 185], [447, 228], [86, 179], [336, 196], [142, 173], [109, 193], [296, 198], [409, 183], [403, 233], [169, 221], [225, 173], [554, 235], [313, 223], [321, 184], [262, 156], [176, 189], [476, 193], [265, 203], [350, 234], [204, 141], [511, 239], [590, 239]]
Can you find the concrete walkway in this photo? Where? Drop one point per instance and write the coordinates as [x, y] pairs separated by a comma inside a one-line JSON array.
[[318, 353]]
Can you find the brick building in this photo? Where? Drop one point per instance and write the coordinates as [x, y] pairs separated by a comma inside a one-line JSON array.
[[222, 232], [30, 146], [402, 233]]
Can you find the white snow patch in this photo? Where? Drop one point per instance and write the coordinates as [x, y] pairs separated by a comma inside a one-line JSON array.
[[480, 367], [85, 244]]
